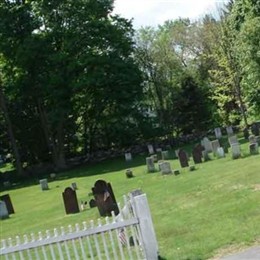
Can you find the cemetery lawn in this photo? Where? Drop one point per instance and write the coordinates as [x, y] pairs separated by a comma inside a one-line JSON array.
[[196, 214]]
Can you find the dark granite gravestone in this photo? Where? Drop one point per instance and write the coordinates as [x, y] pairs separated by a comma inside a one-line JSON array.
[[6, 198], [197, 153], [70, 201], [105, 198], [183, 158], [92, 203]]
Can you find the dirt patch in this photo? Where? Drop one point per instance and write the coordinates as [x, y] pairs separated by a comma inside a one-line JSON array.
[[256, 187]]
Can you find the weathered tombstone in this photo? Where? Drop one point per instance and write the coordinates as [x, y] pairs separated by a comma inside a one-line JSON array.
[[236, 153], [252, 139], [74, 186], [128, 157], [150, 149], [105, 198], [165, 168], [220, 152], [207, 144], [205, 155], [246, 133], [232, 140], [253, 148], [53, 175], [70, 201], [197, 154], [3, 210], [183, 158], [165, 155], [92, 203], [215, 145], [129, 173], [150, 164], [44, 184], [255, 129], [6, 198], [218, 133], [159, 164], [229, 130]]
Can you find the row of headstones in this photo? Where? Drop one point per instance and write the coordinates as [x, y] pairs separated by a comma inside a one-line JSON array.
[[102, 192], [6, 206]]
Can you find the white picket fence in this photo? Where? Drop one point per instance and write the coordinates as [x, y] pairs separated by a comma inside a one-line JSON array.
[[129, 235]]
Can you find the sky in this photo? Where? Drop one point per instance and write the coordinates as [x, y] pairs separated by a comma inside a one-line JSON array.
[[154, 12]]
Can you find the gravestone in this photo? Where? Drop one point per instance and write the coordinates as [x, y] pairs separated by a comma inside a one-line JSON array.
[[229, 130], [165, 168], [252, 139], [150, 149], [105, 198], [70, 201], [92, 203], [150, 164], [197, 154], [255, 129], [44, 184], [6, 198], [165, 155], [207, 144], [253, 148], [215, 145], [232, 140], [53, 175], [220, 152], [205, 155], [129, 173], [218, 133], [74, 186], [183, 158], [235, 148], [128, 157], [246, 133], [3, 210]]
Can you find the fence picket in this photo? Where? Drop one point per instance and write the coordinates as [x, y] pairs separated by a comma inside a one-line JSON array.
[[129, 235]]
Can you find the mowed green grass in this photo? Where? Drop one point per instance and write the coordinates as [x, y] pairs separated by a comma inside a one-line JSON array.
[[195, 214]]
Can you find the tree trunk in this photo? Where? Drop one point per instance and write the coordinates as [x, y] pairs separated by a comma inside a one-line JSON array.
[[18, 164]]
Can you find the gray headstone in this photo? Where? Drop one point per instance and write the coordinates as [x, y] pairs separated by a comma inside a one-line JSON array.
[[74, 186], [220, 152], [215, 145], [229, 130], [207, 144], [177, 153], [165, 155], [150, 164], [252, 139], [53, 175], [3, 210], [165, 168], [253, 148], [128, 157], [44, 184], [232, 140], [150, 149], [235, 148], [218, 133], [129, 173]]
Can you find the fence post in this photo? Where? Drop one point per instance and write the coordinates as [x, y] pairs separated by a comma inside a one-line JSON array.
[[143, 214]]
